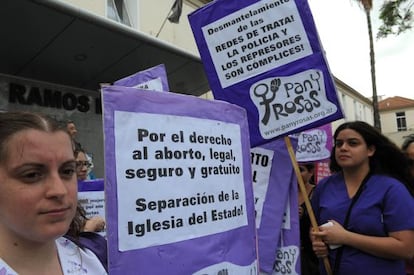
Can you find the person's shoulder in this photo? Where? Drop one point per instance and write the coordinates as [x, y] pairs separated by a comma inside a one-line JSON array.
[[92, 239], [388, 184], [330, 182], [71, 253], [334, 178], [66, 242], [385, 180]]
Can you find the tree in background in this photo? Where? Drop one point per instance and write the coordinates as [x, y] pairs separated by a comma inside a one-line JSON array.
[[367, 6], [396, 17]]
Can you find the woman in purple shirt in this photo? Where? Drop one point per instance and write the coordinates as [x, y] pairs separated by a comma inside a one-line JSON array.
[[369, 203]]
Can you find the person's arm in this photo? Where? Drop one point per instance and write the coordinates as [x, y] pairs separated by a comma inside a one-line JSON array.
[[398, 245], [94, 224]]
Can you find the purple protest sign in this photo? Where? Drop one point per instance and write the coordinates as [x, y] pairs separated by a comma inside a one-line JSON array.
[[91, 185], [266, 57], [287, 256], [272, 176], [91, 197], [154, 79], [178, 184], [314, 144]]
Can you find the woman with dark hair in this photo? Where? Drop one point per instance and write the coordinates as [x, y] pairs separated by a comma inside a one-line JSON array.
[[366, 206], [38, 199]]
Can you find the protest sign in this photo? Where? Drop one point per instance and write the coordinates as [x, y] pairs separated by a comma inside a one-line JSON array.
[[287, 256], [178, 184], [322, 170], [314, 144], [91, 197], [272, 177], [154, 79], [266, 57]]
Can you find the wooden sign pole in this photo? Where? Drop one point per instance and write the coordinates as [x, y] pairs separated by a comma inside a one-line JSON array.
[[308, 205]]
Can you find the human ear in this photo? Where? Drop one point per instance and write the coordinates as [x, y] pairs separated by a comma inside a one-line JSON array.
[[371, 150]]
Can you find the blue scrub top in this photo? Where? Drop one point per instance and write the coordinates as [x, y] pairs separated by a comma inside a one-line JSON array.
[[385, 205]]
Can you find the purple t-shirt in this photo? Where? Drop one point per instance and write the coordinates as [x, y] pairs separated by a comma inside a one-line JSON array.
[[385, 205]]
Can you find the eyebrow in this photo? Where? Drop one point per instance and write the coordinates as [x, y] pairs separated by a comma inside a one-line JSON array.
[[348, 139]]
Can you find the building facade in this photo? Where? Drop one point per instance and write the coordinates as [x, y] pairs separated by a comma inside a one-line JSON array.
[[67, 48], [397, 118], [354, 105], [56, 54]]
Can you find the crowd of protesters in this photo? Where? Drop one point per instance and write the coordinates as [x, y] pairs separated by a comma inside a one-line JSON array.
[[367, 202]]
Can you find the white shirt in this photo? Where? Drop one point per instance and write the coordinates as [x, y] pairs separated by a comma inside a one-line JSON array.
[[74, 261]]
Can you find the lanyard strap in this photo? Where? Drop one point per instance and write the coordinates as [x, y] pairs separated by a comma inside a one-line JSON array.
[[345, 225]]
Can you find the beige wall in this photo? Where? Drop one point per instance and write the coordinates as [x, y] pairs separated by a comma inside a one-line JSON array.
[[353, 107], [152, 17], [148, 16], [389, 124], [94, 6]]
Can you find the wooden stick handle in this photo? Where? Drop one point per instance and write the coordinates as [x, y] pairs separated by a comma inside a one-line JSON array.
[[308, 205]]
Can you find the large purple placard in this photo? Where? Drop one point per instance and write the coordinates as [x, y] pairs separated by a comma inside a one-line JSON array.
[[178, 185], [266, 57]]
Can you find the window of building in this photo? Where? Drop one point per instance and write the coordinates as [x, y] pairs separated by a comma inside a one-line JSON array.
[[343, 101], [364, 113], [401, 121], [117, 10], [357, 111]]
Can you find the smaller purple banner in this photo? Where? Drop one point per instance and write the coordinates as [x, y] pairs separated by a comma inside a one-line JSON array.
[[91, 197], [154, 79], [272, 178], [314, 144], [287, 256]]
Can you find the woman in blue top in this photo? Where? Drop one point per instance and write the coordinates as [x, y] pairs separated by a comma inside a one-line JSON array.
[[369, 202]]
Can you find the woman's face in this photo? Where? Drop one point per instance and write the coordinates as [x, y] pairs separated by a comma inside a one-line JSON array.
[[351, 150], [38, 187], [82, 164], [305, 173]]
